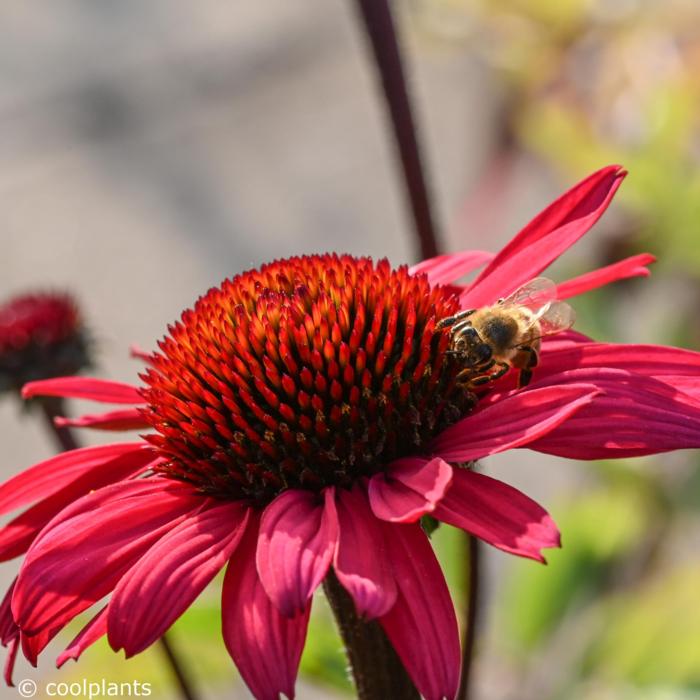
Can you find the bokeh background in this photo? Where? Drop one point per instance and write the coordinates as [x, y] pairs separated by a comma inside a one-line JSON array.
[[150, 149]]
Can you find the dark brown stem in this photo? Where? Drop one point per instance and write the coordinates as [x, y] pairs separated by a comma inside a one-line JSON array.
[[52, 407], [470, 618], [176, 666], [376, 668], [381, 31]]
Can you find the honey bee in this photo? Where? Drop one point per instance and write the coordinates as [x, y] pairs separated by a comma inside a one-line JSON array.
[[508, 333]]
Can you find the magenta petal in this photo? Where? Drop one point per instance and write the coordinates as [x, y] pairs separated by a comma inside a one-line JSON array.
[[634, 415], [51, 475], [126, 419], [167, 579], [265, 645], [545, 238], [630, 267], [498, 514], [298, 535], [81, 555], [673, 366], [8, 627], [94, 630], [84, 388], [513, 421], [361, 562], [410, 488], [444, 269], [422, 626], [18, 534], [13, 647]]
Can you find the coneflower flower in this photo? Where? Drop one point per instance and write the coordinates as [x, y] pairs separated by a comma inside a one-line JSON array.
[[41, 335], [303, 418]]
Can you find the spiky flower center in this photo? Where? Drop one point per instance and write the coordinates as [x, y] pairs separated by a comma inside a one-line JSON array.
[[309, 372]]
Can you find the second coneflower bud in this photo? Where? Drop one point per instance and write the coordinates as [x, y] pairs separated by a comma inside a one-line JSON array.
[[41, 336]]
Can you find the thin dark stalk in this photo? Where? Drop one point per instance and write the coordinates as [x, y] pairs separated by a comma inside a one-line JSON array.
[[176, 666], [381, 31], [52, 407], [471, 617], [376, 669]]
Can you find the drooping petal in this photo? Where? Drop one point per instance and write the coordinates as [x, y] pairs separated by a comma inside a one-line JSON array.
[[635, 415], [168, 578], [84, 388], [298, 536], [361, 562], [629, 267], [8, 627], [422, 626], [12, 649], [674, 366], [53, 474], [19, 533], [410, 489], [444, 269], [94, 630], [265, 645], [127, 419], [513, 421], [545, 238], [81, 555], [498, 514]]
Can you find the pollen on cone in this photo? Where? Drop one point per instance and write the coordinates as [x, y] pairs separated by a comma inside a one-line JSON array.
[[309, 372]]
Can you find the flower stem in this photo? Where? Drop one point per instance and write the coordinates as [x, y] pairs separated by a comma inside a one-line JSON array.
[[376, 668], [471, 617], [52, 407], [381, 31], [176, 666]]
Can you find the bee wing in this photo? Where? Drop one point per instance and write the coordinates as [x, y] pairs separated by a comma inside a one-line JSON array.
[[533, 295], [554, 317]]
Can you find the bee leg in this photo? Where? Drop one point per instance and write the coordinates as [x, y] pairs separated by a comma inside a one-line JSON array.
[[451, 320], [533, 356], [524, 378], [503, 368], [532, 361]]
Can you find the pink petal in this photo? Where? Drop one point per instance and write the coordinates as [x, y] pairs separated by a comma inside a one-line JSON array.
[[630, 267], [51, 475], [94, 630], [84, 388], [410, 488], [13, 647], [498, 514], [168, 578], [128, 419], [265, 645], [81, 555], [361, 562], [298, 535], [140, 354], [422, 626], [674, 366], [513, 421], [18, 534], [545, 238], [444, 269], [635, 415], [8, 628]]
